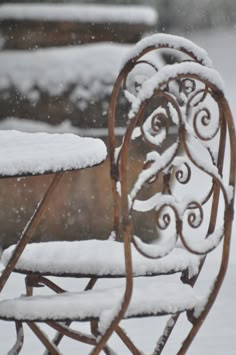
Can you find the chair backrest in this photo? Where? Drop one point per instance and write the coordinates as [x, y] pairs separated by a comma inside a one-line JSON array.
[[143, 62], [186, 185]]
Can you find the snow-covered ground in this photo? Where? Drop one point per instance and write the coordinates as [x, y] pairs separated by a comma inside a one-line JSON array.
[[218, 334]]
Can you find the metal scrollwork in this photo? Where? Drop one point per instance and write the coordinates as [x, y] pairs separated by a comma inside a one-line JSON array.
[[183, 173], [197, 118], [187, 86], [202, 124], [163, 218], [155, 128], [135, 83], [195, 214], [204, 112]]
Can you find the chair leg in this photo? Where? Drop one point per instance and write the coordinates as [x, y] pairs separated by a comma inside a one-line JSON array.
[[32, 281], [44, 339], [29, 230], [197, 323], [15, 350], [74, 334], [79, 336], [127, 341], [91, 283], [59, 335], [165, 335], [94, 330]]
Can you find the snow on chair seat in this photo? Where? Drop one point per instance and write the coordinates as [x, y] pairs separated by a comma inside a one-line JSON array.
[[97, 258], [39, 153], [184, 189], [149, 298]]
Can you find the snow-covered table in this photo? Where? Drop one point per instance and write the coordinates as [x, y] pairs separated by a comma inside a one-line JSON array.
[[27, 154], [39, 153]]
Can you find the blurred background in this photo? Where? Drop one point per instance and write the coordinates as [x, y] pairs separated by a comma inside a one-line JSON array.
[[182, 15], [57, 68]]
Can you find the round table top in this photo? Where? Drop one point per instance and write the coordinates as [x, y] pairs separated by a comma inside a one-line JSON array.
[[23, 154]]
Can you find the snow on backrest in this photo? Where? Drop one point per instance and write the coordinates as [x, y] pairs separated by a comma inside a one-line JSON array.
[[185, 185]]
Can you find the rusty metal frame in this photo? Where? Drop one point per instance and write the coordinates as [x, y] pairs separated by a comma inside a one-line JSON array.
[[123, 224], [19, 339], [29, 230], [119, 173]]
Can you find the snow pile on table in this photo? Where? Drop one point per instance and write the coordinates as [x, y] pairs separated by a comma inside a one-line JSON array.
[[36, 153]]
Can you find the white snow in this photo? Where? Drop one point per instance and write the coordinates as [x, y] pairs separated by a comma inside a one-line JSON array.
[[158, 297], [170, 72], [208, 244], [217, 335], [156, 136], [160, 162], [83, 13], [96, 257], [158, 250], [56, 70], [36, 153], [195, 147], [162, 40]]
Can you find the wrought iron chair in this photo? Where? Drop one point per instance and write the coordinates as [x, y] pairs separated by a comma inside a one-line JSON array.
[[186, 223]]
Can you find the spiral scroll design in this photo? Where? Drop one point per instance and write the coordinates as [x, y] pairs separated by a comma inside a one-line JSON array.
[[204, 112], [183, 173], [203, 124], [198, 117], [163, 218], [187, 86], [155, 129], [140, 77], [195, 214]]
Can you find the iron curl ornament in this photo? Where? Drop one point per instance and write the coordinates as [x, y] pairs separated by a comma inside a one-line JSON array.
[[183, 173], [155, 128], [197, 118], [204, 113]]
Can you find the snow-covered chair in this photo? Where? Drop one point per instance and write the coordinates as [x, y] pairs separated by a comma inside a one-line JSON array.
[[186, 188]]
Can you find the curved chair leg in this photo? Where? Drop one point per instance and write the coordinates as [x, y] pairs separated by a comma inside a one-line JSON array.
[[29, 230], [127, 341], [197, 323], [59, 335], [76, 335], [94, 330], [166, 334], [43, 338], [15, 350]]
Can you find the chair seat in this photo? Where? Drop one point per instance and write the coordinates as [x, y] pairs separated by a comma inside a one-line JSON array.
[[102, 258], [38, 153], [150, 297]]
